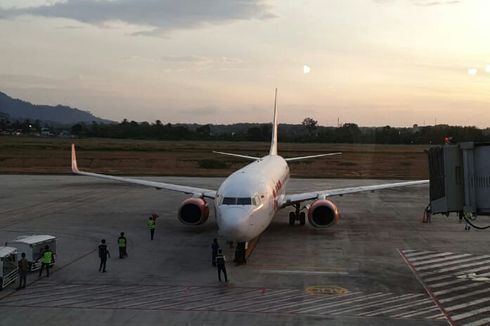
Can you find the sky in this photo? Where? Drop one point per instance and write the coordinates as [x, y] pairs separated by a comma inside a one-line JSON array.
[[370, 62]]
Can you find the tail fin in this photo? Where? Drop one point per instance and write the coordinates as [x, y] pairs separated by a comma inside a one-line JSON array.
[[273, 150]]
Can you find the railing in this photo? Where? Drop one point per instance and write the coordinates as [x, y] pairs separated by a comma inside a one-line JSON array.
[[10, 277]]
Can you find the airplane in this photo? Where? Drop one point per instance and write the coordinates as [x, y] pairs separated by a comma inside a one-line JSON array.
[[247, 200]]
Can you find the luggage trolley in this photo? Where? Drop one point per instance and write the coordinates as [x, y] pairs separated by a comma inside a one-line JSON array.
[[9, 270], [33, 246]]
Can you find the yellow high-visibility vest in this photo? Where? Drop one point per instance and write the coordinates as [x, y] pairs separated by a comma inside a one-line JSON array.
[[47, 257], [121, 242], [151, 224]]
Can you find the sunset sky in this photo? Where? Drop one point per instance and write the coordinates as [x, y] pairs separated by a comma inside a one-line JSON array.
[[373, 62]]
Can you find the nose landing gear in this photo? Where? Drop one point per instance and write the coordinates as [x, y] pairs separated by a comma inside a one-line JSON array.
[[297, 216]]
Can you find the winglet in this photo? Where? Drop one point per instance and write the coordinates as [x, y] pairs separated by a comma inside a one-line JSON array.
[[273, 150], [74, 167]]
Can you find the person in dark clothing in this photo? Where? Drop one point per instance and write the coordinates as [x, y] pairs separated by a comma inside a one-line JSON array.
[[103, 255], [215, 248], [47, 259], [121, 243], [221, 262], [23, 270]]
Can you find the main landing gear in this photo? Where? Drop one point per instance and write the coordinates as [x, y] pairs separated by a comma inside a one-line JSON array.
[[297, 216]]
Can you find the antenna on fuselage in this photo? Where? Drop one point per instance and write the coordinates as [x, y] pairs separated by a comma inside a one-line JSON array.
[[273, 150]]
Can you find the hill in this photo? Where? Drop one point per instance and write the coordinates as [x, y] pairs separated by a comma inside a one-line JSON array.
[[17, 109]]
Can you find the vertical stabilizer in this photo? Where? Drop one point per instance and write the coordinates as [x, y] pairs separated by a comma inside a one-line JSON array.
[[273, 150]]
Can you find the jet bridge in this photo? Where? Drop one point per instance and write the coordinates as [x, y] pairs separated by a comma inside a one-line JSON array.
[[460, 179]]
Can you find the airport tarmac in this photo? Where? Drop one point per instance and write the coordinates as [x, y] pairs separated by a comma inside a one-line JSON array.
[[379, 266]]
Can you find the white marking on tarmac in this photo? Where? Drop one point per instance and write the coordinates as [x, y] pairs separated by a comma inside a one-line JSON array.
[[443, 270], [383, 302], [418, 313], [438, 278], [484, 321], [419, 259], [452, 262], [461, 296], [445, 259], [418, 253], [467, 304], [343, 302], [407, 305], [316, 299], [456, 281], [470, 314], [457, 288], [264, 299]]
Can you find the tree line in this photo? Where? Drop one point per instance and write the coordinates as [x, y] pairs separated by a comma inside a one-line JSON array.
[[307, 131]]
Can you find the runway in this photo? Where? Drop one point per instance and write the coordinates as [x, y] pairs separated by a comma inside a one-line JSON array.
[[379, 266]]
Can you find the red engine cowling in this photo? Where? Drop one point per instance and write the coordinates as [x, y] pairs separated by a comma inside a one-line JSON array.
[[323, 213], [193, 211]]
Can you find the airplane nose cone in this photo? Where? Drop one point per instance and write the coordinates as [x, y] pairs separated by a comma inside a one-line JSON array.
[[234, 223]]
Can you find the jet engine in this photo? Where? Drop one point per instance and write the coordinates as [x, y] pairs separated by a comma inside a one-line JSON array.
[[322, 213], [193, 211]]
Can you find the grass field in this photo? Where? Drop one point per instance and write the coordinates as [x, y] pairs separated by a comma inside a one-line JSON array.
[[195, 158]]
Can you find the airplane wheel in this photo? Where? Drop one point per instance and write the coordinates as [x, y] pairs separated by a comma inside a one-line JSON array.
[[302, 218], [292, 218]]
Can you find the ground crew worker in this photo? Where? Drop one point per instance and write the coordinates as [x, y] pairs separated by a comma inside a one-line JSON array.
[[121, 243], [152, 224], [221, 262], [215, 248], [47, 258], [103, 255], [23, 269]]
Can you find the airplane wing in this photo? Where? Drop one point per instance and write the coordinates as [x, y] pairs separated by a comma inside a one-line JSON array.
[[296, 198], [253, 158], [288, 159], [158, 185]]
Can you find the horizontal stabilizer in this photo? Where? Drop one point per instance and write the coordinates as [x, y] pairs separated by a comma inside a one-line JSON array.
[[253, 158], [311, 156]]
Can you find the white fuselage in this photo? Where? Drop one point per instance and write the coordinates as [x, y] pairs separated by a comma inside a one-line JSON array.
[[248, 199]]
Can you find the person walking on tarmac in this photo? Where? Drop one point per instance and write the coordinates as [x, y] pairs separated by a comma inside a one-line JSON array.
[[215, 248], [23, 269], [47, 259], [103, 255], [121, 243], [221, 262], [152, 224]]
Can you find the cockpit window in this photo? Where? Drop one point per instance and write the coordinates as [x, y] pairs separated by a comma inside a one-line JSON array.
[[229, 201], [239, 201], [244, 201]]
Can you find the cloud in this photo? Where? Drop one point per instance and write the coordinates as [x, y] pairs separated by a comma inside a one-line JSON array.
[[158, 16], [423, 3], [428, 3], [191, 62]]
